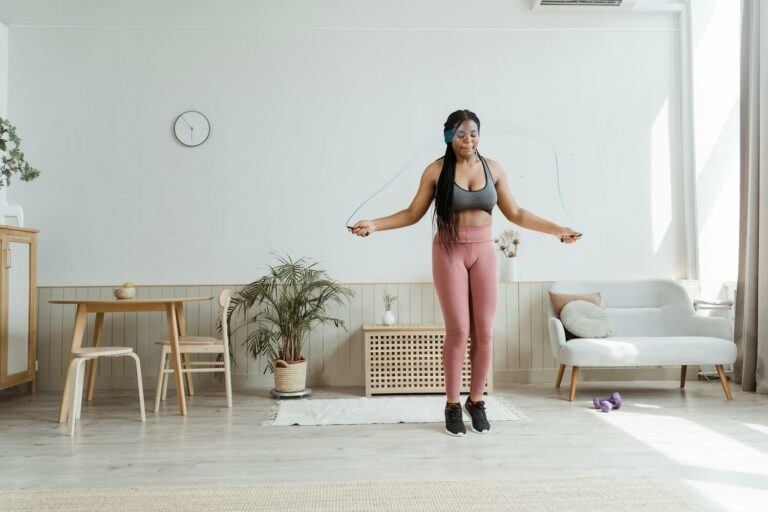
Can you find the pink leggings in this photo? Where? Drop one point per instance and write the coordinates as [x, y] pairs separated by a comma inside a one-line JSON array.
[[467, 289]]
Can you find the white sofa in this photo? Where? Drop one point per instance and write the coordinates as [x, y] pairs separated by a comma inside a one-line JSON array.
[[654, 324]]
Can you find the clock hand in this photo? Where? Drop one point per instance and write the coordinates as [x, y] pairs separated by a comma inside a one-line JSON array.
[[185, 121], [191, 133]]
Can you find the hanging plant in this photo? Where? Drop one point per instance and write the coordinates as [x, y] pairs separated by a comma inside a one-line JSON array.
[[12, 159]]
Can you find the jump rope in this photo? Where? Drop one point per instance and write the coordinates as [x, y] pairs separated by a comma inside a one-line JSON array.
[[518, 129]]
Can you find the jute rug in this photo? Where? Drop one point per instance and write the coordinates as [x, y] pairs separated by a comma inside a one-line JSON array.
[[379, 409], [575, 494]]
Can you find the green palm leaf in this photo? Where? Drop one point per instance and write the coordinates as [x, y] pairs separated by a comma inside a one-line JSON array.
[[281, 308]]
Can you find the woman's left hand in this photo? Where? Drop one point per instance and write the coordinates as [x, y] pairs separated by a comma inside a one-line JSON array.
[[567, 235]]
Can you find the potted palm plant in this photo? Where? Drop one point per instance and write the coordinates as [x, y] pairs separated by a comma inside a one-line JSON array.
[[282, 307]]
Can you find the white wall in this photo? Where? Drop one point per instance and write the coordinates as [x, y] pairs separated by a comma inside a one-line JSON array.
[[313, 107], [3, 70]]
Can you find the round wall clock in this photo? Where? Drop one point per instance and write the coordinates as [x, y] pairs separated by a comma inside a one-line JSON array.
[[192, 128]]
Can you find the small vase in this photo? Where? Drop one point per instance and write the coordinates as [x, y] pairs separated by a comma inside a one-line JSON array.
[[512, 269], [10, 210], [388, 318]]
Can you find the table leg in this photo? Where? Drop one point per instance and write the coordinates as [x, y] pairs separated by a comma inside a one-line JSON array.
[[94, 361], [77, 341], [182, 321], [173, 335]]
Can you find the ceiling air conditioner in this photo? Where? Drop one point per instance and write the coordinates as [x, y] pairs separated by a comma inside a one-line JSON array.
[[535, 4]]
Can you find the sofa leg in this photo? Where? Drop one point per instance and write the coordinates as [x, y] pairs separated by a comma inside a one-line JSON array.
[[724, 381], [560, 376], [574, 377], [682, 376]]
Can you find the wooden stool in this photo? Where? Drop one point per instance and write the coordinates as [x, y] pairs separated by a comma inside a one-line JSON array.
[[76, 375]]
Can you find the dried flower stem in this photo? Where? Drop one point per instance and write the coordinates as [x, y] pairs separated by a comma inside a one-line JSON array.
[[389, 299], [508, 241]]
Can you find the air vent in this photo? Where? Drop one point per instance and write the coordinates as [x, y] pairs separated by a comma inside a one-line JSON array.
[[579, 3]]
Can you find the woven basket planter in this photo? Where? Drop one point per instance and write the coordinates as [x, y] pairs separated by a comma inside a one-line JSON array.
[[290, 376]]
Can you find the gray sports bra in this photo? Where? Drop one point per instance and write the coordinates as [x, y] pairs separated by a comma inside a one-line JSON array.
[[483, 199]]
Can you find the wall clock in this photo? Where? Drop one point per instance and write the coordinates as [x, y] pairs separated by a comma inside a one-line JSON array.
[[192, 128]]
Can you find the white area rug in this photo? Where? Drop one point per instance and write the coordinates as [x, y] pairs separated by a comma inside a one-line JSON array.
[[571, 494], [380, 409]]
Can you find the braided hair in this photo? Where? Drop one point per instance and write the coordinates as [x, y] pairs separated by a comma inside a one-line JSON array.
[[444, 214]]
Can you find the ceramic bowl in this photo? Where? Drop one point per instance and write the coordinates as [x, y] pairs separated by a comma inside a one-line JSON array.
[[125, 293]]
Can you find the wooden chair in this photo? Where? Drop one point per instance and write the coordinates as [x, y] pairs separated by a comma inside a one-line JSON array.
[[76, 373], [198, 345]]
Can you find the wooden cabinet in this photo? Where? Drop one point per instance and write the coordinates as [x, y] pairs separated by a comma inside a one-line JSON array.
[[18, 306]]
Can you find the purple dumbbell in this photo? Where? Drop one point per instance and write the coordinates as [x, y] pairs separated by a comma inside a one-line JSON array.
[[614, 400], [605, 405]]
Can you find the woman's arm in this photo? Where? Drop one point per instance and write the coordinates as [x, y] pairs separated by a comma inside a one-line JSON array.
[[411, 215], [522, 217]]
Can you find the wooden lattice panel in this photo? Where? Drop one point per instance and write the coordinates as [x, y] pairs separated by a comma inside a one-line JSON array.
[[409, 359]]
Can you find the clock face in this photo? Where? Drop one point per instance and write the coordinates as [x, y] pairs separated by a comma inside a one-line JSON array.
[[192, 128]]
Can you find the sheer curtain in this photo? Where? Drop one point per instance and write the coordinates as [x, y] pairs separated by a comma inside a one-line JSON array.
[[751, 332]]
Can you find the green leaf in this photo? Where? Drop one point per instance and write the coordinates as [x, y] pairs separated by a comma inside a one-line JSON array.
[[281, 308], [13, 160]]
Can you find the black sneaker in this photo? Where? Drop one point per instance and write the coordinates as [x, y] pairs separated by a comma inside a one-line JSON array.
[[476, 411], [454, 419]]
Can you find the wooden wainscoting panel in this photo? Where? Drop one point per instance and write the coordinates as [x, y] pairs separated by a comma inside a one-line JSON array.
[[335, 355]]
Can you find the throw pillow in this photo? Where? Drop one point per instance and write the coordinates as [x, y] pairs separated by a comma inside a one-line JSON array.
[[586, 320], [559, 300]]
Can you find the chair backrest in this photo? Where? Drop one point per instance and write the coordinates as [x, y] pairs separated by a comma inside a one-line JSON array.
[[224, 297], [637, 307]]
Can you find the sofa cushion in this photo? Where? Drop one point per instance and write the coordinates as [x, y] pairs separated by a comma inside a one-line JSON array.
[[647, 351], [559, 300], [585, 320]]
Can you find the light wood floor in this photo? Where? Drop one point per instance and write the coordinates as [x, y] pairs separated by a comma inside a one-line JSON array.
[[716, 451]]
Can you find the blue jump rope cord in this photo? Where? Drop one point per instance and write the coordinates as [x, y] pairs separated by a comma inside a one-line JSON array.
[[407, 166], [551, 146], [401, 171], [557, 174]]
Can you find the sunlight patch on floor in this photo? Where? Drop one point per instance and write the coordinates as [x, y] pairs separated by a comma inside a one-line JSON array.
[[738, 498], [755, 426], [689, 443]]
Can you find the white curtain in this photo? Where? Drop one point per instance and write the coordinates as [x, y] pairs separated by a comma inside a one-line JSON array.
[[751, 333]]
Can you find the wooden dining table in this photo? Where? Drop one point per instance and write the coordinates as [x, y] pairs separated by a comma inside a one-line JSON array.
[[174, 313]]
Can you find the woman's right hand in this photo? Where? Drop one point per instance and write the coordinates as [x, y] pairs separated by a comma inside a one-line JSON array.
[[567, 235], [362, 227]]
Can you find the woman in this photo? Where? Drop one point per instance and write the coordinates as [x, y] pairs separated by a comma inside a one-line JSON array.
[[465, 186]]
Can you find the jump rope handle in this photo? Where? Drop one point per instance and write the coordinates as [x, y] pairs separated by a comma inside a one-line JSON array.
[[578, 236]]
